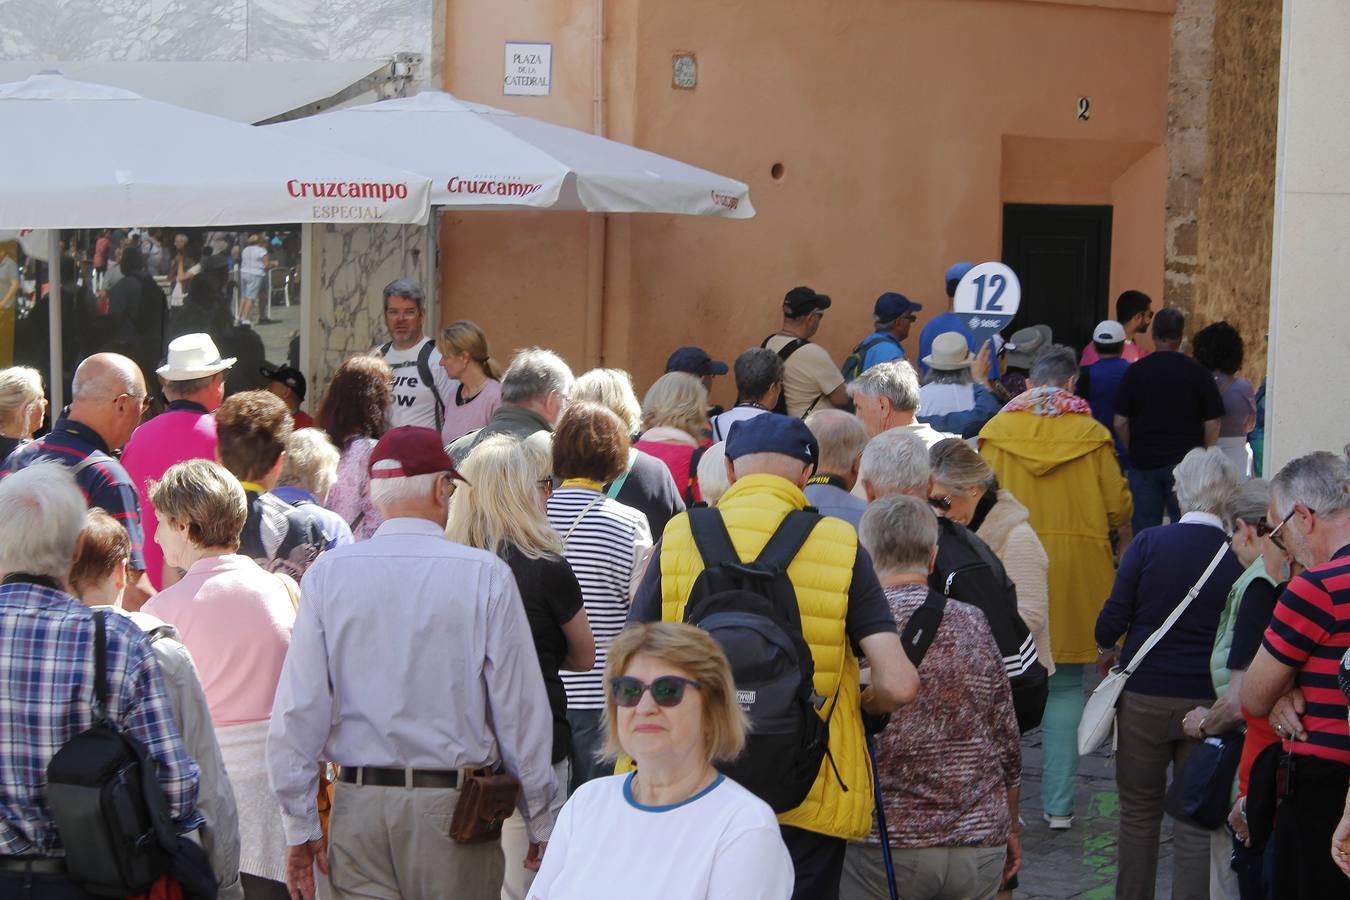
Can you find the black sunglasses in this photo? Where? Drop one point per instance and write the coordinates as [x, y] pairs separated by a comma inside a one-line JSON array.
[[668, 690], [942, 503]]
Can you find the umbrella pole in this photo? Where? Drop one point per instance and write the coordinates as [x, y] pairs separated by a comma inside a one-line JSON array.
[[57, 382]]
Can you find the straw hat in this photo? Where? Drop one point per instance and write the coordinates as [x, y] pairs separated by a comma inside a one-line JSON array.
[[950, 352]]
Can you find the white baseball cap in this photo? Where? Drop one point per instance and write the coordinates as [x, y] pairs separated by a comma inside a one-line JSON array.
[[1109, 332]]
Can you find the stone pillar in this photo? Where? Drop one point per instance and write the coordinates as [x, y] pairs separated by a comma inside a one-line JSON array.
[[1190, 77]]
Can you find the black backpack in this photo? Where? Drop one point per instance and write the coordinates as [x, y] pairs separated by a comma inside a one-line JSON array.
[[424, 373], [853, 365], [751, 610], [784, 352], [968, 570], [106, 800]]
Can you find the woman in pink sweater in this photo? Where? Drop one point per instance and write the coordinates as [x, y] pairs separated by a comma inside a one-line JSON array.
[[675, 416]]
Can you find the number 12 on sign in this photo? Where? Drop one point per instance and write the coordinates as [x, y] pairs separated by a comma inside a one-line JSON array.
[[997, 284]]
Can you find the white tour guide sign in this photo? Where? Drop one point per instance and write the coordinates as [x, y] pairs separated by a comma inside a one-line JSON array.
[[987, 299]]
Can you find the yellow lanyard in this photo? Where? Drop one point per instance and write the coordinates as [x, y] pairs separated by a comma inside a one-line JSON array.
[[253, 486], [590, 483]]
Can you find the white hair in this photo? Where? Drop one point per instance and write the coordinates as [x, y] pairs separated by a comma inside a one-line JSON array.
[[1320, 481], [895, 462], [896, 381], [1250, 501], [900, 534], [43, 510], [779, 464], [841, 438], [387, 492], [311, 462], [1206, 482], [712, 473]]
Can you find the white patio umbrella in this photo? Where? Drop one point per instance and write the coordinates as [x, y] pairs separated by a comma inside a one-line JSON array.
[[486, 158], [96, 156]]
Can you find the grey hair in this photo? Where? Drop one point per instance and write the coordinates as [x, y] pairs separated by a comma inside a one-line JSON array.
[[1206, 482], [896, 381], [1250, 501], [779, 464], [841, 438], [311, 462], [387, 492], [404, 287], [612, 389], [1320, 481], [177, 390], [900, 533], [89, 383], [43, 510], [950, 376], [1053, 366], [895, 462], [533, 375], [712, 473], [757, 370]]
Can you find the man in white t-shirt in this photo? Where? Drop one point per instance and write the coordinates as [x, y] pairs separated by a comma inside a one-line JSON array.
[[811, 380], [420, 382]]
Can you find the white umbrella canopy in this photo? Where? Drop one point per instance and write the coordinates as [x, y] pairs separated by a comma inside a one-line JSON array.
[[102, 156], [486, 158]]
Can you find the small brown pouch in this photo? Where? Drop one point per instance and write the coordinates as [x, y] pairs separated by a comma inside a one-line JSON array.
[[485, 802]]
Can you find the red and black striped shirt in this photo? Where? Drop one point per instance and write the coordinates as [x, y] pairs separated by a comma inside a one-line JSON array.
[[1310, 632]]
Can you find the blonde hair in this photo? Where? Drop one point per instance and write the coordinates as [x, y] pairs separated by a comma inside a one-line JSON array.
[[611, 388], [20, 391], [957, 465], [693, 651], [204, 495], [311, 462], [466, 337], [500, 506], [677, 400]]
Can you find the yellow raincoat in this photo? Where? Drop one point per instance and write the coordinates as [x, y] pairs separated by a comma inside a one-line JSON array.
[[1063, 468]]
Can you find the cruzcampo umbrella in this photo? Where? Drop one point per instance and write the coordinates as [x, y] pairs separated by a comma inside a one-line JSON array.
[[486, 158]]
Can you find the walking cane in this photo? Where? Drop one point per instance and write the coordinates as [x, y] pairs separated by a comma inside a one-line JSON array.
[[881, 823]]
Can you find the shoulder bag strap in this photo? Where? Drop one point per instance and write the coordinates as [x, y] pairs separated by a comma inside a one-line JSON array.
[[1176, 613], [711, 537], [612, 492], [100, 665], [922, 626], [581, 515]]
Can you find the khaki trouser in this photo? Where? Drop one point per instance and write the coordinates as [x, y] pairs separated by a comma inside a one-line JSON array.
[[393, 842], [926, 873], [1151, 740]]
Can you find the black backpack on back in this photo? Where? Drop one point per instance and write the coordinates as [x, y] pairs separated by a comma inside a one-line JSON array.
[[106, 800], [751, 610], [784, 352], [968, 570]]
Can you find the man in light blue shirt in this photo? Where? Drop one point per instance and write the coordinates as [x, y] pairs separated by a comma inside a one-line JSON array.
[[892, 316]]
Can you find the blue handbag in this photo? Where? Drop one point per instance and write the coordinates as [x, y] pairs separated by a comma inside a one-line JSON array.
[[1202, 792]]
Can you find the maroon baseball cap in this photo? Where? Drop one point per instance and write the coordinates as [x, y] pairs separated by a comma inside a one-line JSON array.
[[410, 450]]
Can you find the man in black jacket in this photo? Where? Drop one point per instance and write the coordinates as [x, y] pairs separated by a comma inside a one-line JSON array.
[[896, 462], [138, 315]]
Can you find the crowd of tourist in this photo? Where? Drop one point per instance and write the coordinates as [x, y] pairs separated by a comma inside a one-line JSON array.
[[483, 631]]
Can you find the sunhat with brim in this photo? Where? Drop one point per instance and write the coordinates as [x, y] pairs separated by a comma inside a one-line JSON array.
[[1029, 342], [193, 356], [950, 352]]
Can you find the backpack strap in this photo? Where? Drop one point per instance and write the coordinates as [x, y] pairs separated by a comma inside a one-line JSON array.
[[919, 631], [711, 537], [91, 459], [792, 533], [424, 372], [100, 665], [384, 351], [693, 475]]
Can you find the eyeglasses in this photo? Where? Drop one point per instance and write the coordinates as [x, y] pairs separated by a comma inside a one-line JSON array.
[[142, 399], [668, 690], [943, 503], [546, 484], [1263, 528], [909, 317]]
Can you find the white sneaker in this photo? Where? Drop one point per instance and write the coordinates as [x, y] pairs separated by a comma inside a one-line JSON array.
[[1058, 823]]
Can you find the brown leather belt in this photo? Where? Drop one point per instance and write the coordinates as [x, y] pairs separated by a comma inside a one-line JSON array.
[[375, 776], [42, 865]]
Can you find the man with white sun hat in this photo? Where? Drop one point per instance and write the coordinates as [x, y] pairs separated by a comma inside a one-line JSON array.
[[193, 381]]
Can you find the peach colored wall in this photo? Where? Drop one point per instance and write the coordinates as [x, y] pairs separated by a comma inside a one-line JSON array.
[[889, 117]]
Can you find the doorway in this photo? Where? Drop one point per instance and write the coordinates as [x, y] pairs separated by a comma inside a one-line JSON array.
[[1062, 256]]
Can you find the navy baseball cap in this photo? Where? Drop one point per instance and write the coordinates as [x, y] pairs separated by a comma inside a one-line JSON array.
[[891, 306], [956, 271], [695, 361], [773, 433]]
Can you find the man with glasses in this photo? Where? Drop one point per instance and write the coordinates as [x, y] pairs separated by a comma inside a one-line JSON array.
[[107, 400], [811, 380], [1294, 675], [420, 382], [892, 317]]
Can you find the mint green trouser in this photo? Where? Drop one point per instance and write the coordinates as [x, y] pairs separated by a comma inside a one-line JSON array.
[[1059, 738]]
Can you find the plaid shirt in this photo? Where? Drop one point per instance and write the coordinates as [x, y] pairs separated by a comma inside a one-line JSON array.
[[47, 669]]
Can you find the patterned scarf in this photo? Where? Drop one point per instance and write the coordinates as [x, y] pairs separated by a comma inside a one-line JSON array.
[[1048, 401]]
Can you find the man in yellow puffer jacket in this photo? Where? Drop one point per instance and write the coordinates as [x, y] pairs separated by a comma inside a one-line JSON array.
[[844, 615]]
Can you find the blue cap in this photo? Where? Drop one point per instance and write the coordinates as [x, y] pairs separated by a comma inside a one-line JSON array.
[[956, 271], [695, 361], [891, 306], [773, 433]]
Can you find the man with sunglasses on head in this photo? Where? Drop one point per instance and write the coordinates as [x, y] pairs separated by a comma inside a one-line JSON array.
[[107, 399], [1294, 675], [845, 617], [411, 666]]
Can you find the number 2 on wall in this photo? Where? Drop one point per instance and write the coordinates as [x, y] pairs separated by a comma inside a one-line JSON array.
[[997, 283]]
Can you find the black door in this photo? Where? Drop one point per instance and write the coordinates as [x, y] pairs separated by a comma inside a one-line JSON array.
[[1062, 256]]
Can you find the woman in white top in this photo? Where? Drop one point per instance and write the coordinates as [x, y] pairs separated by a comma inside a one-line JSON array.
[[676, 828], [606, 544], [477, 381], [252, 275]]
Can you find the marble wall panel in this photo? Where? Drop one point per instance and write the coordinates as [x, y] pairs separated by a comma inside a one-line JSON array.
[[362, 29], [280, 30]]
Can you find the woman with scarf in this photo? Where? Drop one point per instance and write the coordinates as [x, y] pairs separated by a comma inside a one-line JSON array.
[[1060, 462]]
